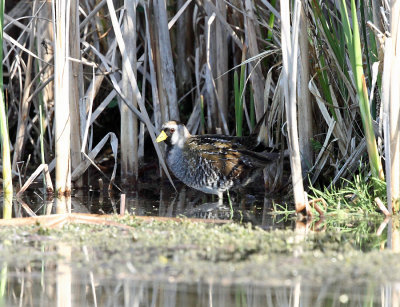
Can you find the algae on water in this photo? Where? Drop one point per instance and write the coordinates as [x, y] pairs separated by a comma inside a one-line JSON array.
[[193, 251]]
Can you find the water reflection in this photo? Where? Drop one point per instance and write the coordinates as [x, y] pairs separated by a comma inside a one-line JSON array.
[[51, 281], [165, 203], [72, 288]]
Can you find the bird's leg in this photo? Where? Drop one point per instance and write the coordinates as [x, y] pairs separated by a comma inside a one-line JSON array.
[[230, 202], [220, 198]]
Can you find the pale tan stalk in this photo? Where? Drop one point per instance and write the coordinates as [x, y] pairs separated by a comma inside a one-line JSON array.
[[45, 50], [289, 59], [222, 61], [210, 99], [183, 29], [62, 94], [215, 117], [256, 77], [142, 127], [153, 77], [160, 100], [76, 90], [129, 124], [394, 105], [304, 104], [166, 60], [386, 84]]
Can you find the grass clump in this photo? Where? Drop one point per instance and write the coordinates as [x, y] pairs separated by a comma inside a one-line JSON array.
[[353, 196]]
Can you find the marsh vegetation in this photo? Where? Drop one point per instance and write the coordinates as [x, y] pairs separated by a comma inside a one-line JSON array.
[[86, 86], [77, 75]]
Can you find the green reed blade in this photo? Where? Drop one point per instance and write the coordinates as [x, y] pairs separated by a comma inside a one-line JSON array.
[[355, 54]]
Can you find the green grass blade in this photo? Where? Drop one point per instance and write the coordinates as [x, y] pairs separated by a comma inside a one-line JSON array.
[[332, 39], [271, 22], [237, 101], [239, 92], [5, 140], [347, 32], [241, 89]]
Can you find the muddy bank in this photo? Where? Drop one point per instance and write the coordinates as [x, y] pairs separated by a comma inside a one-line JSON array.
[[186, 251]]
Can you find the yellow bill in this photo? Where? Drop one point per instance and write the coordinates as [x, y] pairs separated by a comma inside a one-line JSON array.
[[162, 137]]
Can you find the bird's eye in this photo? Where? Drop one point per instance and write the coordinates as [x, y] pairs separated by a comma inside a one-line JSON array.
[[172, 130]]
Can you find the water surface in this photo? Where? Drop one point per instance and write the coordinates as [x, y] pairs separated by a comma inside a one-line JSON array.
[[263, 259]]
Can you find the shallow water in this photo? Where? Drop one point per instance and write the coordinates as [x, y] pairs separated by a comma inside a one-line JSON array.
[[327, 263], [75, 289], [257, 210]]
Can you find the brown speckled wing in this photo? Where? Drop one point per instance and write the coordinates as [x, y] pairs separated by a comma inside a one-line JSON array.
[[248, 142], [231, 159]]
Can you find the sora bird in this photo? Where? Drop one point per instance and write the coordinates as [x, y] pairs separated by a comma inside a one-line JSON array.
[[213, 163]]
